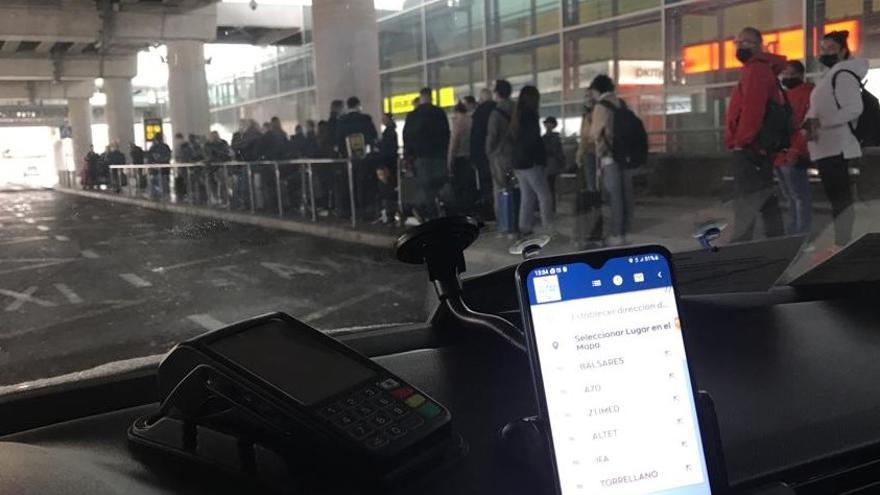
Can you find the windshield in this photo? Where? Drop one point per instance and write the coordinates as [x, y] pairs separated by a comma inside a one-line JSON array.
[[170, 169]]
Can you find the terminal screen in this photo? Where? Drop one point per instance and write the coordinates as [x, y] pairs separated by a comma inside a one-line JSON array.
[[296, 361], [616, 383]]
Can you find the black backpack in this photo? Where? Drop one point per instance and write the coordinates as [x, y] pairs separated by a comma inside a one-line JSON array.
[[630, 145], [777, 128], [867, 129]]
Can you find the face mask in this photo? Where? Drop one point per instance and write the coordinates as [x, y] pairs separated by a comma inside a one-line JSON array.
[[743, 54], [829, 60], [791, 82]]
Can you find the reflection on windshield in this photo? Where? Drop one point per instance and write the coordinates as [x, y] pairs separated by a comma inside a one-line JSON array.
[[200, 182]]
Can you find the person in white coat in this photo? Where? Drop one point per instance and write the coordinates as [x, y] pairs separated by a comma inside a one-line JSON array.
[[835, 106]]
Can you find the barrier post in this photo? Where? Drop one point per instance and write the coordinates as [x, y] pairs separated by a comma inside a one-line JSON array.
[[278, 190]]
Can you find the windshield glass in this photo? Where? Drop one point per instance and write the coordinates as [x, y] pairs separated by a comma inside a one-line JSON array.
[[170, 169]]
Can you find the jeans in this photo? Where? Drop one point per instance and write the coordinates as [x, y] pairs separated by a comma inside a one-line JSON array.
[[754, 193], [500, 182], [795, 186], [617, 182], [834, 172], [533, 185]]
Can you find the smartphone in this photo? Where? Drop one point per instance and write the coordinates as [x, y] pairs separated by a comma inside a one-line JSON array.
[[611, 374]]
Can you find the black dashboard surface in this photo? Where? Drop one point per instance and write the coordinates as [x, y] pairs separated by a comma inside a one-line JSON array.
[[792, 383]]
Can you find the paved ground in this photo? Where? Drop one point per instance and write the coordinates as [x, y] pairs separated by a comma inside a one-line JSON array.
[[79, 287]]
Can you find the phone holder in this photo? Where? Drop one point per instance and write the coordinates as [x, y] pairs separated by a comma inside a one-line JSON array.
[[524, 441], [440, 245]]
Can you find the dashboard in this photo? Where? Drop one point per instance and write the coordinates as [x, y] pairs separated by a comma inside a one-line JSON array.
[[792, 378]]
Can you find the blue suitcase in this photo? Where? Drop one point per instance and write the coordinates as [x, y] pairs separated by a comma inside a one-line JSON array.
[[509, 210]]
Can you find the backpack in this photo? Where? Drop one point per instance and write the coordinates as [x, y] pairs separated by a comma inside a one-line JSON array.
[[508, 139], [867, 129], [776, 130], [630, 145]]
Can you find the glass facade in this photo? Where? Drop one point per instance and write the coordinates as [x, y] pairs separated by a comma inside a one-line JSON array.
[[672, 60]]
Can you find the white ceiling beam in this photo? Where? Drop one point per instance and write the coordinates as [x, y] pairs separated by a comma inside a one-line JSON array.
[[11, 46], [35, 68], [44, 47]]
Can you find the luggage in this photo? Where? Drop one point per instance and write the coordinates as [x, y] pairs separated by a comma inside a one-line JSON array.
[[509, 210]]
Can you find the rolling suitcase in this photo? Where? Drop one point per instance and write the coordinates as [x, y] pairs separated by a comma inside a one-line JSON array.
[[509, 210]]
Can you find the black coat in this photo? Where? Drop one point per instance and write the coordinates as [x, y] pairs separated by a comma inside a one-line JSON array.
[[528, 145], [116, 158], [480, 129], [355, 123], [137, 155], [426, 132], [388, 146]]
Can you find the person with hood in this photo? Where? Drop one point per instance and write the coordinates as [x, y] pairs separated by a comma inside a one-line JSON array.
[[835, 106], [791, 164], [754, 190]]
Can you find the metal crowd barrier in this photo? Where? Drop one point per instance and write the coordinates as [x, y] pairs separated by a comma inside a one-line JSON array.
[[161, 186]]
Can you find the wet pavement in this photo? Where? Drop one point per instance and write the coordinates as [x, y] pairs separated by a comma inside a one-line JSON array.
[[85, 282]]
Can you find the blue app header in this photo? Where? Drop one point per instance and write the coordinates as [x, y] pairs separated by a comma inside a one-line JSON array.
[[555, 283]]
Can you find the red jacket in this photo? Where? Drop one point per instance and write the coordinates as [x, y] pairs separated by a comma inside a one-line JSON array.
[[799, 99], [758, 83]]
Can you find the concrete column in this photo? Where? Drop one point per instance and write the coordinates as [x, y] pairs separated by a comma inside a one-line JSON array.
[[346, 38], [188, 88], [79, 114], [119, 111]]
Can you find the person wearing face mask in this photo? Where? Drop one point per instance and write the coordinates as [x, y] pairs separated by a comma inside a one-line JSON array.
[[791, 163], [754, 190], [835, 107]]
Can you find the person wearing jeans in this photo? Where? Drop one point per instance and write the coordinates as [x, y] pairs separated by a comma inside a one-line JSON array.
[[529, 161], [795, 185], [615, 179], [835, 106], [791, 164], [617, 183]]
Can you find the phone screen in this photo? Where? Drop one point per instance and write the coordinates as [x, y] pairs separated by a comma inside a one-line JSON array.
[[610, 359]]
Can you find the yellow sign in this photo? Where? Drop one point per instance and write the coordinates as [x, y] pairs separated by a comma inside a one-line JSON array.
[[405, 103], [151, 128]]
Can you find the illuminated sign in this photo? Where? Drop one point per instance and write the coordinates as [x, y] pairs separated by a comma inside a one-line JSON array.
[[707, 57], [151, 128], [397, 104], [640, 72]]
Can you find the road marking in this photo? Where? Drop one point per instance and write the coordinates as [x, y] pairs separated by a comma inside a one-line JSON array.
[[88, 253], [185, 264], [34, 267], [134, 280], [62, 238], [89, 314], [317, 315], [67, 292], [42, 228], [233, 271], [29, 220], [23, 297], [22, 240], [288, 271], [206, 321]]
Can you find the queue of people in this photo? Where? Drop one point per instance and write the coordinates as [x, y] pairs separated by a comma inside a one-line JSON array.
[[778, 133], [490, 160]]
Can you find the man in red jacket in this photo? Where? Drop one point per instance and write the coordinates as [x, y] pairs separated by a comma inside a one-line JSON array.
[[752, 166], [791, 164]]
